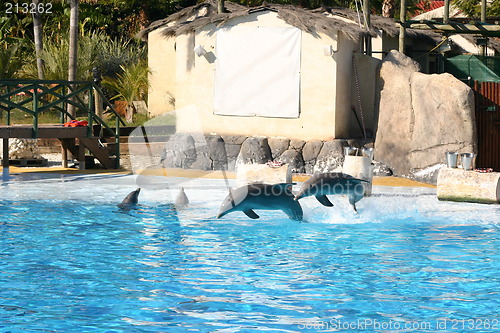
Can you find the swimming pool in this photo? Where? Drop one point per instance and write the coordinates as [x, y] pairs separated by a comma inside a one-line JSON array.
[[70, 261]]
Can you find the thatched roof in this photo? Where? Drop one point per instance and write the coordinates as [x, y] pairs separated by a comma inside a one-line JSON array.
[[385, 24], [493, 42], [311, 21]]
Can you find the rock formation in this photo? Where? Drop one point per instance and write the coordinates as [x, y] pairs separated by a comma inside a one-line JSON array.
[[420, 118]]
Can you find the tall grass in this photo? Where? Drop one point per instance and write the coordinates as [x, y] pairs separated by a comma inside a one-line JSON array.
[[94, 50], [122, 64]]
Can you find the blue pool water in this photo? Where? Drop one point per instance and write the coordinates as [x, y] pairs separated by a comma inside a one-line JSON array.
[[70, 261]]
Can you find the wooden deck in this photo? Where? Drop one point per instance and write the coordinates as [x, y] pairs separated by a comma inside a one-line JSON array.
[[44, 131], [73, 139]]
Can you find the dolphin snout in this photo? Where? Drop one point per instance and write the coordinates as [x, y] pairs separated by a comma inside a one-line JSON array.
[[221, 213], [298, 196]]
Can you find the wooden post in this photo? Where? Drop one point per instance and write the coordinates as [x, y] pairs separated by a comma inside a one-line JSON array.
[[483, 11], [483, 20], [402, 29], [98, 105], [5, 162], [117, 142], [35, 110], [92, 112], [64, 153], [81, 155], [97, 97], [220, 6], [446, 14], [368, 39]]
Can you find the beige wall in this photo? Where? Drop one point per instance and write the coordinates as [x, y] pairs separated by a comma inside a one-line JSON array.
[[161, 61], [325, 86]]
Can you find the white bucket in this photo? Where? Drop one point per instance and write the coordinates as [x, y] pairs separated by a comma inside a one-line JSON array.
[[451, 159], [350, 151], [468, 160], [360, 167]]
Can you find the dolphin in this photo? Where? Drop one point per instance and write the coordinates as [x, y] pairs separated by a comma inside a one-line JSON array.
[[130, 200], [182, 200], [262, 196], [321, 185]]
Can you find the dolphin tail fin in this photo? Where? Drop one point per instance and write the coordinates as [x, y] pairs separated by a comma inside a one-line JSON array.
[[294, 212], [324, 200], [352, 200], [251, 214]]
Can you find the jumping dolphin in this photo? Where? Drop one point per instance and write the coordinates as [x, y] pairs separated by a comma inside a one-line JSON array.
[[262, 196], [321, 185], [182, 200], [130, 200]]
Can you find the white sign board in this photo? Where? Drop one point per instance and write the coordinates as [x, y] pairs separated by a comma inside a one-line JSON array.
[[257, 72]]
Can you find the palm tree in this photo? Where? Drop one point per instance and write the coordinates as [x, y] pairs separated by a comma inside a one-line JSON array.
[[73, 46], [37, 34], [472, 8]]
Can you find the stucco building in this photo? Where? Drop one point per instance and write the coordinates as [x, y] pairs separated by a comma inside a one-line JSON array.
[[266, 71]]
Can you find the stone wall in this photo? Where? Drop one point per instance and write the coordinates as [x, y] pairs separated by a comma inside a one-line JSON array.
[[214, 152]]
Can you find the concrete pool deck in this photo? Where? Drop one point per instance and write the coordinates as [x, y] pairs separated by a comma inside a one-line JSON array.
[[379, 181]]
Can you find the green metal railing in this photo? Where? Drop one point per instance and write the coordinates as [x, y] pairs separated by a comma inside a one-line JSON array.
[[34, 97]]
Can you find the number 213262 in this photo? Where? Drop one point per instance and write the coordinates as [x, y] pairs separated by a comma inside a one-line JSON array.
[[28, 8]]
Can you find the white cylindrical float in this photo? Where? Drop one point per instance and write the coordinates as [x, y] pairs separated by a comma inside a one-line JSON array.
[[360, 167], [468, 186], [263, 173]]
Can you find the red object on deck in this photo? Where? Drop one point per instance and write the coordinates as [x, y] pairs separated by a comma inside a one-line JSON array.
[[76, 123]]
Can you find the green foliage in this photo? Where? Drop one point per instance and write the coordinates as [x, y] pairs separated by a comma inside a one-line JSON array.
[[131, 84], [116, 18], [12, 49], [10, 61], [55, 55], [114, 53], [472, 8], [14, 26], [94, 50]]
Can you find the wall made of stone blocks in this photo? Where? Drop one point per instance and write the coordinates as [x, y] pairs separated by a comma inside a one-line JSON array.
[[215, 152]]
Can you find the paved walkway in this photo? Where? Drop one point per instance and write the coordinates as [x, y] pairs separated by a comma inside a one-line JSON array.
[[381, 181]]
